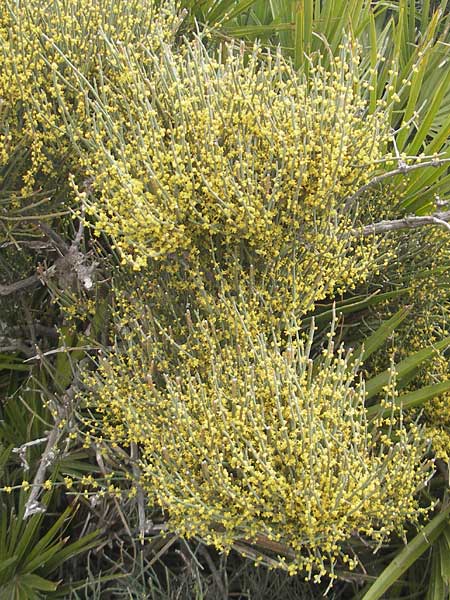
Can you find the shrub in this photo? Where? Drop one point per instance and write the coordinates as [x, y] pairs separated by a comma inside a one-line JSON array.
[[256, 442], [36, 48]]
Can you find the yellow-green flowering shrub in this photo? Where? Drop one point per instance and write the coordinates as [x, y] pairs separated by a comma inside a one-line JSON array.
[[221, 181], [235, 167], [430, 292], [255, 442], [236, 147], [37, 44], [242, 147]]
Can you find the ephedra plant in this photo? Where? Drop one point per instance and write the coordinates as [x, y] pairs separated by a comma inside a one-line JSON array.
[[223, 182], [226, 197]]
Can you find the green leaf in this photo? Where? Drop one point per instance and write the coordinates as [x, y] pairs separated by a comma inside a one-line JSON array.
[[7, 562], [354, 305], [404, 368], [64, 367], [257, 30], [377, 339], [240, 8], [64, 590], [303, 19], [44, 544], [38, 583], [411, 399], [429, 116], [84, 544], [407, 557], [436, 586]]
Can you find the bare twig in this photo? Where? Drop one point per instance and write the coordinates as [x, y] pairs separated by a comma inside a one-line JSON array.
[[17, 286], [71, 267], [214, 572], [22, 451], [33, 244], [441, 218], [54, 237], [33, 506], [402, 169], [140, 493]]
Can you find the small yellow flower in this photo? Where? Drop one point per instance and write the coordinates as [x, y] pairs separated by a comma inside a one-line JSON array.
[[68, 482]]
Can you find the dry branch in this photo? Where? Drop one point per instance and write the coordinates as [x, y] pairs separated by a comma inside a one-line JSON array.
[[440, 218], [17, 286], [72, 267], [402, 169]]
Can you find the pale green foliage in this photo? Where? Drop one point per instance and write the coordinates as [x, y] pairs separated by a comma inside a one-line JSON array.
[[222, 178], [253, 442], [36, 48], [251, 190]]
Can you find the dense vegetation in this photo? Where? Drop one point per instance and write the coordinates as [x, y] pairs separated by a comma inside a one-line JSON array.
[[225, 268]]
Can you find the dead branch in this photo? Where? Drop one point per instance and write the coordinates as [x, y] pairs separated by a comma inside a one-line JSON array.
[[71, 267], [54, 237], [17, 286], [402, 169], [33, 506], [441, 219], [22, 451]]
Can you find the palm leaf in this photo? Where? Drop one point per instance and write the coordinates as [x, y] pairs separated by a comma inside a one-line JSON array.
[[408, 556]]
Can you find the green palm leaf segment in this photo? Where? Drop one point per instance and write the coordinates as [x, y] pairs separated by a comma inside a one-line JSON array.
[[405, 368], [29, 554], [408, 556]]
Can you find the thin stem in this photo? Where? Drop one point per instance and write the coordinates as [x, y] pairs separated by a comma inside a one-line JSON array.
[[403, 169], [440, 218]]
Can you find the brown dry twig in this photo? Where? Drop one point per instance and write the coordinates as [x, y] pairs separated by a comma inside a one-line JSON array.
[[402, 169], [18, 286], [441, 219]]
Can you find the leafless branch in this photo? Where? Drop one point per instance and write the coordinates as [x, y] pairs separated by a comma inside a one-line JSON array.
[[17, 286], [22, 451], [72, 267], [33, 506], [402, 169], [33, 244], [440, 218], [54, 237]]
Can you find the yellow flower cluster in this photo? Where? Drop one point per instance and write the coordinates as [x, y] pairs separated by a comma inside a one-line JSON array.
[[253, 441], [237, 154], [40, 48], [232, 170], [431, 292], [221, 179]]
